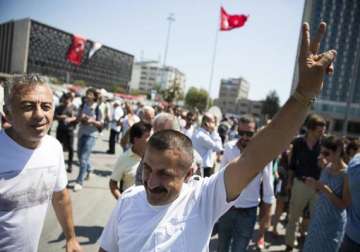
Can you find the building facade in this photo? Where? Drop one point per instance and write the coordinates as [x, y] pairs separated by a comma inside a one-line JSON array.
[[339, 101], [147, 75], [231, 91], [29, 46]]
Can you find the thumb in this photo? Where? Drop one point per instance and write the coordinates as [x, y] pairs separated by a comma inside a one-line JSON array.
[[327, 58]]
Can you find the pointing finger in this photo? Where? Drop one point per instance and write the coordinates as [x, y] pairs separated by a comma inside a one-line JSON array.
[[315, 42], [305, 42]]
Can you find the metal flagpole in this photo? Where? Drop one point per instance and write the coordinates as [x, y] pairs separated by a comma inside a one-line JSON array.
[[212, 66], [171, 19]]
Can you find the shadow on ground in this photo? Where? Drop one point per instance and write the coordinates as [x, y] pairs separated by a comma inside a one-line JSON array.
[[92, 233]]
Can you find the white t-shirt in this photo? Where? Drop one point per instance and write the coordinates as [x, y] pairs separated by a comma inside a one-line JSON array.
[[184, 225], [28, 179]]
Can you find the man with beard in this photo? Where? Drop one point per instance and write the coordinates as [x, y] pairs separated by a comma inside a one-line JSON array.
[[236, 226], [32, 169], [168, 214]]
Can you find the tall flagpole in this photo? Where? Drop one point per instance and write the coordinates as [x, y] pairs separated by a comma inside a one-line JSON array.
[[212, 65]]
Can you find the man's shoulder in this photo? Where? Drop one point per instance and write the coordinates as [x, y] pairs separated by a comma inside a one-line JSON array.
[[50, 140], [231, 144], [133, 193]]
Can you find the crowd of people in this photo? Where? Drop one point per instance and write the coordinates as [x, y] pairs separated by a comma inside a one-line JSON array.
[[182, 176]]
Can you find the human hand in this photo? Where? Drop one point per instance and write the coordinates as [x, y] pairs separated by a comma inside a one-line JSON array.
[[73, 245], [312, 64]]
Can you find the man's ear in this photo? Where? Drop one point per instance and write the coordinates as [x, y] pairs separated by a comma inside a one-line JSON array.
[[189, 173], [7, 113]]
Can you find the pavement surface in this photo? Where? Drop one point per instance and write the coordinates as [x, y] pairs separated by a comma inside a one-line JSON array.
[[92, 207]]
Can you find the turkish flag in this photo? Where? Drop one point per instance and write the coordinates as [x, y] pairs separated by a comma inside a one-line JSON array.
[[76, 50], [229, 22]]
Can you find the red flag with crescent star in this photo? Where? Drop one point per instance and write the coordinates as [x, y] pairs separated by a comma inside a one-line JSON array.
[[76, 50], [229, 22]]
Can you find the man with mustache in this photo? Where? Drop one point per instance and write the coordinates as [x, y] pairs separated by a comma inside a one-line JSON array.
[[167, 214], [236, 226], [32, 168]]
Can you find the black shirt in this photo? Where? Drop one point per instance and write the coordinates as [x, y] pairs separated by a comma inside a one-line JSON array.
[[69, 111], [304, 161]]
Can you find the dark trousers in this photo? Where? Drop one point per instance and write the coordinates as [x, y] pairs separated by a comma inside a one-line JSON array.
[[66, 138], [114, 137], [349, 245]]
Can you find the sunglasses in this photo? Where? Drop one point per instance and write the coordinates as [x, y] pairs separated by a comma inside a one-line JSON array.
[[325, 153], [246, 133]]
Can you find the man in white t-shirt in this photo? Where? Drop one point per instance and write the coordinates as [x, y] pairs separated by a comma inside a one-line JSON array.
[[32, 170], [236, 226], [167, 214]]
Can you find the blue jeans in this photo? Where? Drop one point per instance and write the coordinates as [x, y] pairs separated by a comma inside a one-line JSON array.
[[85, 145], [236, 228]]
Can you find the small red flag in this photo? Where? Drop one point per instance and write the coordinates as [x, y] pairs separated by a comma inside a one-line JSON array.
[[229, 22], [76, 50]]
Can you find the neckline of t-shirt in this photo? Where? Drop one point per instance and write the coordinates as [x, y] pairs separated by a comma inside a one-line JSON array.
[[16, 145]]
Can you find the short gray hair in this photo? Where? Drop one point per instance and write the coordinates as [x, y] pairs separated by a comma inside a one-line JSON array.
[[163, 118], [13, 84]]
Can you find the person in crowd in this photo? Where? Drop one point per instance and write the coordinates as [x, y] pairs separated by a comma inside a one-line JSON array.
[[236, 226], [303, 163], [282, 195], [115, 126], [188, 129], [167, 214], [91, 124], [32, 170], [327, 224], [207, 142], [352, 148], [65, 114], [127, 121], [127, 163], [351, 240], [147, 114]]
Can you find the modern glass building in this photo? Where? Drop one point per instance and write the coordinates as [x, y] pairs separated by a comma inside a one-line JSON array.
[[29, 46], [339, 101]]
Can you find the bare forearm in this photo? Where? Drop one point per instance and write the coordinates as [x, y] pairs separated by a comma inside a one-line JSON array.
[[63, 209], [338, 202], [114, 189], [265, 146]]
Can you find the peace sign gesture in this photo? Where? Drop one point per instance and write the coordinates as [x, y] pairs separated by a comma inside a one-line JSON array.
[[312, 64]]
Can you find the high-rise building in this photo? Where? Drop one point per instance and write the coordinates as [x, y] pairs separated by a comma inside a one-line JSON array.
[[339, 101], [231, 91], [147, 75], [28, 46]]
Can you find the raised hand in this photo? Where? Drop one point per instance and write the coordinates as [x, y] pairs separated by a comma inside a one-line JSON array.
[[312, 64]]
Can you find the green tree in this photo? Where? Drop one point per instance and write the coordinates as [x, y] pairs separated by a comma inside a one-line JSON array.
[[196, 98], [173, 93], [81, 83], [271, 104]]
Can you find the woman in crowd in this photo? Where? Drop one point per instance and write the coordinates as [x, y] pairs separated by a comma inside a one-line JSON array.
[[327, 225]]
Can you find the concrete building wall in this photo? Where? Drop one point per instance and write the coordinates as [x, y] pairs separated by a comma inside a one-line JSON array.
[[20, 48]]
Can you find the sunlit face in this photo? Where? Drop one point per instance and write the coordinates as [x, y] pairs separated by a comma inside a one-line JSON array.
[[162, 176], [246, 132], [90, 97], [31, 114], [318, 131]]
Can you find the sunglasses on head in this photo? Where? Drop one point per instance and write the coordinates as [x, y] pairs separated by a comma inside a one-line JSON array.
[[246, 133]]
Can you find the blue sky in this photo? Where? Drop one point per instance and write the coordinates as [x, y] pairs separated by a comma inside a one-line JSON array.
[[263, 51]]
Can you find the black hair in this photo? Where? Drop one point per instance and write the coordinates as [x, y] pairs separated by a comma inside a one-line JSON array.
[[95, 93], [138, 130], [314, 120], [172, 139]]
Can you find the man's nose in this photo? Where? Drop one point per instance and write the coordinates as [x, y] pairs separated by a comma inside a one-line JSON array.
[[39, 112], [153, 181]]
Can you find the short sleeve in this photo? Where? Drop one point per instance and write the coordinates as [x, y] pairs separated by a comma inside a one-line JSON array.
[[108, 239], [213, 202], [118, 169], [61, 178]]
